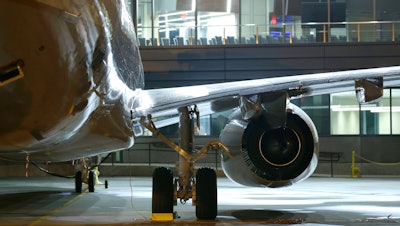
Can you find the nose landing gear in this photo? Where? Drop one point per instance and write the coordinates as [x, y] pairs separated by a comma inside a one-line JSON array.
[[88, 175]]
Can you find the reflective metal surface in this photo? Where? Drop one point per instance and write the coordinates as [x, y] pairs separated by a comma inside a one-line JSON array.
[[166, 101], [81, 66], [82, 77], [248, 165]]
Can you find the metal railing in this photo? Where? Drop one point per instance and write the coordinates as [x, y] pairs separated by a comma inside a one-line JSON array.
[[365, 31], [156, 153]]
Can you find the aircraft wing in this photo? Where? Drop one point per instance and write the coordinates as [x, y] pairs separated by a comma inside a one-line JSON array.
[[163, 102]]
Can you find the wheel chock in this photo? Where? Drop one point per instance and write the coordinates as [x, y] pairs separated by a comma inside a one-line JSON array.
[[162, 217]]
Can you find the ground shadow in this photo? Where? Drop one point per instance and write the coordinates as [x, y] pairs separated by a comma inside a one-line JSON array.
[[260, 216]]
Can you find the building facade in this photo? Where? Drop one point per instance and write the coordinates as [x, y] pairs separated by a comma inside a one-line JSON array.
[[190, 42], [216, 22]]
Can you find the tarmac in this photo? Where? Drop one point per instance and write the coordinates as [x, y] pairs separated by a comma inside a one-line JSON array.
[[127, 201]]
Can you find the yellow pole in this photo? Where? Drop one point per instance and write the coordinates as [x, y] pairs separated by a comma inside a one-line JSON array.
[[393, 31], [257, 35], [159, 37], [224, 40], [355, 171], [191, 37], [352, 163]]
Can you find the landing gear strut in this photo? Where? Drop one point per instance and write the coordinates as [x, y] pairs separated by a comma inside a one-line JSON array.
[[202, 188]]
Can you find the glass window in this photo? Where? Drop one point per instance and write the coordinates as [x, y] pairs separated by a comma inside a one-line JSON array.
[[171, 130], [317, 107], [174, 21], [144, 22], [360, 11], [255, 20], [375, 118], [386, 10], [218, 121], [212, 125], [217, 22], [345, 117], [205, 125], [395, 111]]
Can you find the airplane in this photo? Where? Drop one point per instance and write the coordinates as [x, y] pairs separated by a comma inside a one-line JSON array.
[[72, 88]]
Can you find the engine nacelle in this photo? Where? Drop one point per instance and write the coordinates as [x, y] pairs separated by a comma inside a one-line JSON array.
[[262, 155]]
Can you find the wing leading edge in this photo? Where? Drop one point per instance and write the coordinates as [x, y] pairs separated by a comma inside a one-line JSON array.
[[163, 102]]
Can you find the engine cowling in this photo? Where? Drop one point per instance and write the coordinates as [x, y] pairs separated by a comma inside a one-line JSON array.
[[262, 155]]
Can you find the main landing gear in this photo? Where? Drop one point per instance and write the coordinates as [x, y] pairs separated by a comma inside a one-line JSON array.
[[201, 188], [203, 192]]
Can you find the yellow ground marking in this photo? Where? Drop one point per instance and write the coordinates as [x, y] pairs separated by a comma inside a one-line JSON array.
[[162, 217], [56, 210]]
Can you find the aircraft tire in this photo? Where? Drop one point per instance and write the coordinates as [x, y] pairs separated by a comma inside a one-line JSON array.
[[91, 181], [206, 194], [78, 182], [163, 191]]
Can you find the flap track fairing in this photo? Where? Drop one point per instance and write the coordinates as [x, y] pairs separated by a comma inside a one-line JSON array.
[[369, 90]]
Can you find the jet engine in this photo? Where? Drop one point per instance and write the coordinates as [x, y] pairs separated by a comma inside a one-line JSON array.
[[262, 154]]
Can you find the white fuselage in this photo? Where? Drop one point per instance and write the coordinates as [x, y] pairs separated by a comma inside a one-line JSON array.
[[80, 66]]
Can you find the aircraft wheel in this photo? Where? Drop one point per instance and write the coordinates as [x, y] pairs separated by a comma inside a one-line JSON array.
[[91, 181], [163, 191], [78, 182], [206, 194]]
